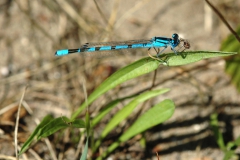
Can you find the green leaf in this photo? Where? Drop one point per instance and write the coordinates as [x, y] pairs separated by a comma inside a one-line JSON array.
[[237, 141], [189, 57], [77, 123], [133, 70], [147, 65], [218, 135], [57, 124], [232, 67], [105, 110], [233, 145], [231, 44], [85, 151], [26, 145], [48, 126], [143, 66], [229, 155], [126, 111], [154, 116]]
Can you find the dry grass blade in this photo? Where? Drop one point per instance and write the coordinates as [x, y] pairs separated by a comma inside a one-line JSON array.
[[34, 21], [100, 11], [224, 20], [51, 150], [75, 16], [24, 74], [113, 16], [131, 11], [17, 123]]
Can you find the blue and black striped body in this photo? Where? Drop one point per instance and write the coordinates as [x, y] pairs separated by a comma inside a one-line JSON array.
[[155, 42]]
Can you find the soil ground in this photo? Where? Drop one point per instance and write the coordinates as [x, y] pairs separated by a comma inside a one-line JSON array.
[[31, 32]]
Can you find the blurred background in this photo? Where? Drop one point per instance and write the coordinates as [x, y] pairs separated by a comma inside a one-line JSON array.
[[31, 32]]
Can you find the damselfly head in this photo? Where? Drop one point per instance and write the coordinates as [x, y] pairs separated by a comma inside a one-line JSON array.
[[186, 43], [183, 45]]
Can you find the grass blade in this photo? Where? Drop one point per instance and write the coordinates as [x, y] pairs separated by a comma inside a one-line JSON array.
[[154, 116]]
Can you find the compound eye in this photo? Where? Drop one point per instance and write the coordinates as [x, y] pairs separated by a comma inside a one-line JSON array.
[[175, 36]]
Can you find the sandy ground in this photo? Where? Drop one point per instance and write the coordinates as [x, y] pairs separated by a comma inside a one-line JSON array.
[[31, 32]]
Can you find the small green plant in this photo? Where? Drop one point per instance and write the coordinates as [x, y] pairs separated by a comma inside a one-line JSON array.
[[233, 63], [230, 147], [155, 115]]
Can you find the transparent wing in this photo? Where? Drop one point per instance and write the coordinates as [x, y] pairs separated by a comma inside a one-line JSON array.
[[113, 53], [115, 43]]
